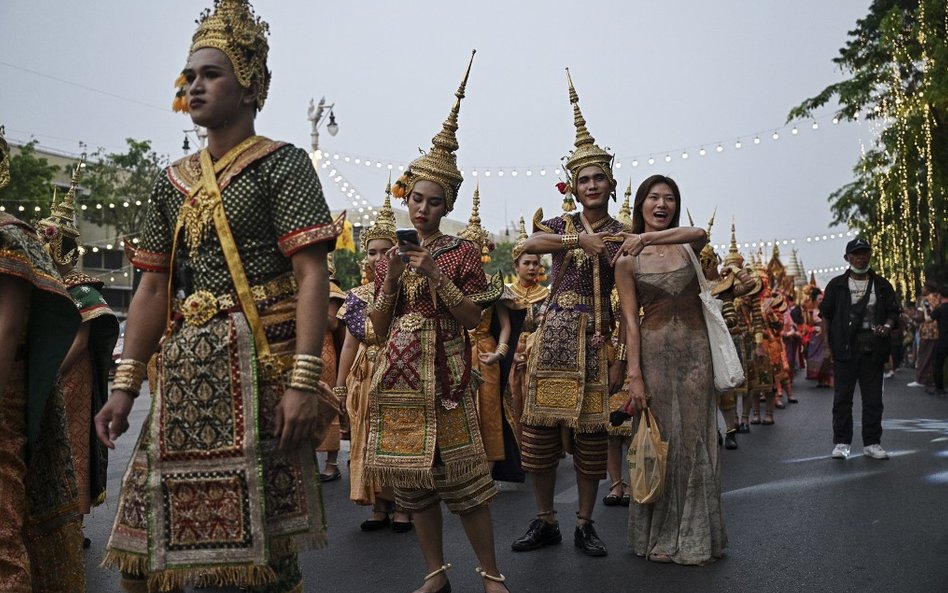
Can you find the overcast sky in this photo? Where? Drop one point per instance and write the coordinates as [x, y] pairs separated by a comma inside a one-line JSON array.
[[654, 79]]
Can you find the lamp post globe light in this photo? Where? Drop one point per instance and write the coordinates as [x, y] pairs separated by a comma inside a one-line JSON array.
[[316, 114]]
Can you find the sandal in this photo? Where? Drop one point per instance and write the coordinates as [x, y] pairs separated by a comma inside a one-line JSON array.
[[792, 399], [498, 579], [768, 419], [626, 495], [447, 585], [612, 500], [743, 427], [755, 417], [372, 524]]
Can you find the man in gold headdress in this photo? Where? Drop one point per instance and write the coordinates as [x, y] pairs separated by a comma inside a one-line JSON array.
[[221, 489], [569, 376], [40, 526], [84, 374]]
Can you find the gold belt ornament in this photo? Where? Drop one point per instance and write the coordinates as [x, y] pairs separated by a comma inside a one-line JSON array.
[[200, 307], [569, 299]]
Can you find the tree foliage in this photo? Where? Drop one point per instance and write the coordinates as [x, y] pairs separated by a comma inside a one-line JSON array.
[[119, 185], [348, 268], [897, 62], [30, 184]]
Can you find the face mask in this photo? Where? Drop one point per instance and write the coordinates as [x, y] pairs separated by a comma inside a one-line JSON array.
[[860, 271]]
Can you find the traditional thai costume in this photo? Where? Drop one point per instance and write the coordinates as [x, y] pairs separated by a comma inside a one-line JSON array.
[[40, 525], [85, 384], [354, 313], [424, 437], [207, 499], [568, 382], [484, 341]]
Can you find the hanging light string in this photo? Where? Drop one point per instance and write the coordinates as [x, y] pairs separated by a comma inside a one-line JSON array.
[[361, 213], [648, 158]]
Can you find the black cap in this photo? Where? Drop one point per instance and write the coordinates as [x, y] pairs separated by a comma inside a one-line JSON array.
[[857, 244]]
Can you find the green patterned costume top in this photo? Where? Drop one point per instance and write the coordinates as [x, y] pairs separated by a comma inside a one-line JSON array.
[[274, 204]]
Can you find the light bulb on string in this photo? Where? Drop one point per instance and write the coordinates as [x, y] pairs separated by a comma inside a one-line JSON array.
[[651, 161], [719, 148], [756, 139], [542, 171], [668, 158], [776, 136], [635, 163], [737, 144], [684, 155], [618, 165], [835, 120], [815, 126], [529, 173], [702, 152], [794, 131]]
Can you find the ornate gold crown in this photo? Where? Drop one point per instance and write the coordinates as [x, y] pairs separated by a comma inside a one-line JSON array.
[[708, 258], [518, 247], [233, 29], [4, 160], [61, 223], [439, 165], [476, 233], [733, 257], [625, 211], [586, 152], [384, 227]]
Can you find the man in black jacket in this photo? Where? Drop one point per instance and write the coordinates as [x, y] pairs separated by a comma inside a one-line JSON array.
[[859, 310]]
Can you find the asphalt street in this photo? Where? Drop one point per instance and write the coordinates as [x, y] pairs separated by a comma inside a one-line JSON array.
[[797, 520]]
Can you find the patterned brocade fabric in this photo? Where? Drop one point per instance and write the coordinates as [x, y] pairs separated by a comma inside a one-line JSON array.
[[354, 313], [578, 278], [274, 204]]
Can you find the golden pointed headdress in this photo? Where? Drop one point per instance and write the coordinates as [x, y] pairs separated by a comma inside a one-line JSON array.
[[733, 257], [233, 28], [4, 160], [61, 223], [625, 211], [439, 165], [384, 227], [708, 257], [519, 245], [586, 152], [476, 233]]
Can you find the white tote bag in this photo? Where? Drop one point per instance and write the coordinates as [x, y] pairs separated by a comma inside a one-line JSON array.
[[728, 372]]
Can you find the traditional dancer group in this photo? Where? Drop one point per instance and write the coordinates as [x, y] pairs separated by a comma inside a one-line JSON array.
[[445, 379]]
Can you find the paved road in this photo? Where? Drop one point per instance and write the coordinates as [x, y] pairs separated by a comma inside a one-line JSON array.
[[797, 520]]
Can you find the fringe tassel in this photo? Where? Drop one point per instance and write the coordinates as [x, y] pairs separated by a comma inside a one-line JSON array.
[[591, 427], [168, 581], [401, 477], [537, 419], [126, 562], [457, 471]]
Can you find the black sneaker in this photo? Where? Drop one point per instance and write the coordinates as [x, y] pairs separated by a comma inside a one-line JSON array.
[[539, 534], [586, 539], [730, 439]]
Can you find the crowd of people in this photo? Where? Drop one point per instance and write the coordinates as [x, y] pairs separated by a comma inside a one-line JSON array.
[[444, 380]]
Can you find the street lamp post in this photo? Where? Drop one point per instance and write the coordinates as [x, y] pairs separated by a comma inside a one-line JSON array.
[[316, 114], [200, 133]]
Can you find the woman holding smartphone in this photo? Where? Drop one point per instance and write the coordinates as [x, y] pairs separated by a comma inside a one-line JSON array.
[[424, 438]]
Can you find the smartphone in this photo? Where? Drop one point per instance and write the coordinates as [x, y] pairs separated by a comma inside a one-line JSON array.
[[407, 236]]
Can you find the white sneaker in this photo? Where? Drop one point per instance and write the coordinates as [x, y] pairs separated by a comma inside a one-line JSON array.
[[841, 451], [875, 451], [888, 374], [915, 384]]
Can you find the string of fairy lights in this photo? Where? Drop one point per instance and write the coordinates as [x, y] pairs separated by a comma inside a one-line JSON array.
[[512, 171]]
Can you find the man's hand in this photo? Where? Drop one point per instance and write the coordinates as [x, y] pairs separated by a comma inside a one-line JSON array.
[[297, 415], [490, 358], [632, 245], [637, 401], [593, 243], [112, 420]]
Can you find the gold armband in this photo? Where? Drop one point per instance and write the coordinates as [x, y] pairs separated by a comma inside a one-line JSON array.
[[570, 241], [306, 372], [385, 303], [449, 293], [622, 353], [502, 349], [129, 375]]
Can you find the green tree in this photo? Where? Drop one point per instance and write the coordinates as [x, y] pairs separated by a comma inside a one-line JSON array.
[[897, 62], [30, 183], [500, 260], [348, 271], [119, 185]]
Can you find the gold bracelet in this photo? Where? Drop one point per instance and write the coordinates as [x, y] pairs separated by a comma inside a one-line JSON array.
[[450, 294], [502, 349], [570, 241], [308, 358], [309, 386], [129, 375], [622, 352], [340, 391], [385, 303]]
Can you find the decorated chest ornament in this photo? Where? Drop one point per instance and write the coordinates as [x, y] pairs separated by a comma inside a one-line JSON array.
[[476, 233], [60, 225], [586, 153], [233, 29], [438, 165]]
